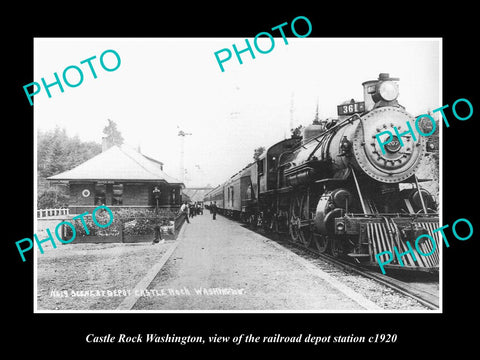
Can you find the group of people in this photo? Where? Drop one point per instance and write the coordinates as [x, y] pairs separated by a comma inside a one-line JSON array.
[[196, 209], [189, 210], [193, 209]]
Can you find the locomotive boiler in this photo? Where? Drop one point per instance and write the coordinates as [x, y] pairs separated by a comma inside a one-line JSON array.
[[336, 191]]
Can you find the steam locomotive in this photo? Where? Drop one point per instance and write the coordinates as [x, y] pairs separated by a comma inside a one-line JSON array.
[[334, 190]]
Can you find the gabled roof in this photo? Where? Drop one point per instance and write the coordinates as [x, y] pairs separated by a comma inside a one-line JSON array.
[[118, 163]]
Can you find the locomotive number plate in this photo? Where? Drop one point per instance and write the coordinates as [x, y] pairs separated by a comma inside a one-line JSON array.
[[349, 109]]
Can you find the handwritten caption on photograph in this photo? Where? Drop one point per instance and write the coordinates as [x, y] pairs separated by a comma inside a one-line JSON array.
[[184, 291]]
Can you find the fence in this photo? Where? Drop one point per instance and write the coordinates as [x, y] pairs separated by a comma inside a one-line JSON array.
[[42, 213], [179, 221], [127, 230]]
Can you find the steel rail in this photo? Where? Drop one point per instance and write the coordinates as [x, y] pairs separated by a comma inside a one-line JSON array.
[[423, 297]]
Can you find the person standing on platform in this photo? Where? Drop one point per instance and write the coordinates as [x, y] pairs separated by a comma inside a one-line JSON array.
[[199, 209], [192, 210], [213, 209], [184, 210]]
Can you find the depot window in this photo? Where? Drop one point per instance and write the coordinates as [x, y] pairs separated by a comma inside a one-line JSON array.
[[100, 194], [117, 198]]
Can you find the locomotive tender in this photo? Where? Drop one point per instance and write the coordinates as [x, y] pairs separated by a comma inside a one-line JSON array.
[[335, 191]]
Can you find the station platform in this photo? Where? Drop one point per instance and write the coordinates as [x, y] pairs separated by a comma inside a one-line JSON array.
[[221, 265]]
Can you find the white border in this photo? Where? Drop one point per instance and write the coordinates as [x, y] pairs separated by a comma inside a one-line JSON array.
[[440, 310]]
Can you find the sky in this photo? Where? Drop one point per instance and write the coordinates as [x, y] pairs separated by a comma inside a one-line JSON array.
[[166, 84]]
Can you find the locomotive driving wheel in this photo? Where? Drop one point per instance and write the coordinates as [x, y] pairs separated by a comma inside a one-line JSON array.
[[306, 231], [301, 219], [294, 219]]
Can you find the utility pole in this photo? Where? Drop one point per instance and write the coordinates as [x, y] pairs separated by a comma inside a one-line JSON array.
[[182, 135], [292, 110]]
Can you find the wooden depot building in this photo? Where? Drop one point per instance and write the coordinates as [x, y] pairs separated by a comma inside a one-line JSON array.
[[120, 177]]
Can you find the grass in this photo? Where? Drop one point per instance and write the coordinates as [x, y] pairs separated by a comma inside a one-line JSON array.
[[72, 268]]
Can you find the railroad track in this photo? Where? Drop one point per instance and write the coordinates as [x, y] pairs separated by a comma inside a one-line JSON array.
[[421, 294]]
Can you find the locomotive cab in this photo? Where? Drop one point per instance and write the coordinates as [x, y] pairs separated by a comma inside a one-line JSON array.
[[269, 161]]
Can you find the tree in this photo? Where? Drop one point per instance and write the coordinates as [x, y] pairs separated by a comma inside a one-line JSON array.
[[52, 198], [56, 153], [113, 135], [258, 152]]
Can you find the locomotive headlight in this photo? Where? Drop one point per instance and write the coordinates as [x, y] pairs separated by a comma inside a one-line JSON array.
[[388, 90], [340, 227]]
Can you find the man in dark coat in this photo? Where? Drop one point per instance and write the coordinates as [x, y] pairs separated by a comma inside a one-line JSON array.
[[213, 208], [192, 210]]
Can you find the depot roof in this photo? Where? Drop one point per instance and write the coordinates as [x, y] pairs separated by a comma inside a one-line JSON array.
[[120, 164]]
